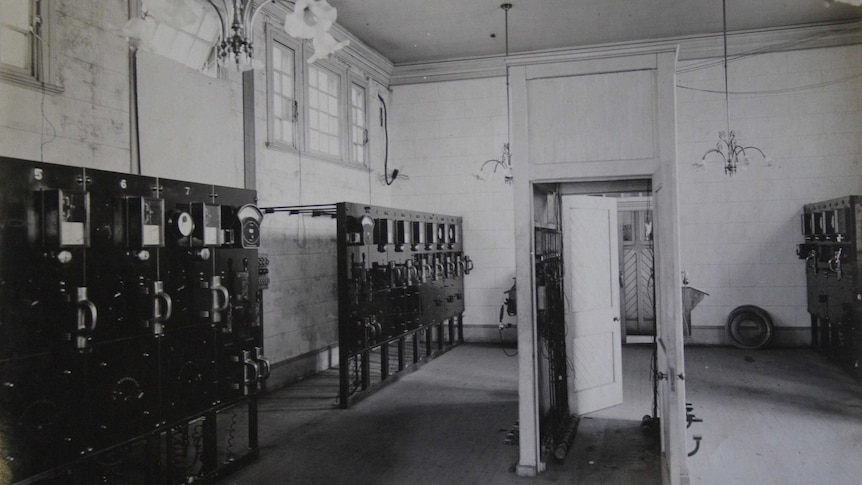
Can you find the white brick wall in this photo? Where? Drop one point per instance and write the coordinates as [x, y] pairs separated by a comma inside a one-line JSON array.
[[88, 123], [739, 233], [441, 134]]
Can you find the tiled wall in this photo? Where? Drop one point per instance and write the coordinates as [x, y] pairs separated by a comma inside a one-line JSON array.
[[739, 233], [441, 133]]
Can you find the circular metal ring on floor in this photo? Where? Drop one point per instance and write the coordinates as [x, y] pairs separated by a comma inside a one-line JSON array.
[[749, 327]]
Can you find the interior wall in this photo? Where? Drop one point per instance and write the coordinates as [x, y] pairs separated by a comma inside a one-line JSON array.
[[301, 305], [191, 130], [441, 134], [87, 124], [739, 233]]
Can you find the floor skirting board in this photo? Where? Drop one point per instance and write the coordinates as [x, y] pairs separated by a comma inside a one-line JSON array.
[[782, 336], [489, 333], [301, 366]]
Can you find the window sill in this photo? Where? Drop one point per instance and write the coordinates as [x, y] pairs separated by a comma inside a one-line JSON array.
[[281, 147], [29, 82], [340, 163]]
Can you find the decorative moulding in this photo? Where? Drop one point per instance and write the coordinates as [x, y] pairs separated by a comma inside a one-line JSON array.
[[692, 47]]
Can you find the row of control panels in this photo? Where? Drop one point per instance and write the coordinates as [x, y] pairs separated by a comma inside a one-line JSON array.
[[833, 256], [832, 230], [127, 303], [398, 271]]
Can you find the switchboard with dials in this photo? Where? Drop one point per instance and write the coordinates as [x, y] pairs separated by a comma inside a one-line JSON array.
[[129, 322], [401, 289]]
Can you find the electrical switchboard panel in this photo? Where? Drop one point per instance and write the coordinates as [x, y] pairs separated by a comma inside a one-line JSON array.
[[833, 258], [400, 277], [129, 317]]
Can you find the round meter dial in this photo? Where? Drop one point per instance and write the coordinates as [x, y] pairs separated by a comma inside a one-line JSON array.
[[185, 224]]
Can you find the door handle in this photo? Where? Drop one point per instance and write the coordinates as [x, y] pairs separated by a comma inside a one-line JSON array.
[[616, 319]]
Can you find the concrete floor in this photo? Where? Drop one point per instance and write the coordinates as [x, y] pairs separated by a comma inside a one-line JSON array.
[[777, 416], [446, 423], [770, 417]]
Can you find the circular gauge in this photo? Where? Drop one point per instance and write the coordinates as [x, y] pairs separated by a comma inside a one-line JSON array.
[[185, 224], [250, 232], [249, 211]]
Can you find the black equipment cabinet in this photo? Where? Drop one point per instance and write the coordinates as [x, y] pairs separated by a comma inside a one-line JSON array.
[[833, 259], [131, 344], [400, 292]]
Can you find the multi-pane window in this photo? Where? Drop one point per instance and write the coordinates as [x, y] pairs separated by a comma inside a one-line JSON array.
[[16, 38], [358, 130], [324, 88], [283, 91], [190, 44], [25, 44], [318, 108]]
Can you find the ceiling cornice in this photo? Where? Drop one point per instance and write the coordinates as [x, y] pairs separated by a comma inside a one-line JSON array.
[[690, 48]]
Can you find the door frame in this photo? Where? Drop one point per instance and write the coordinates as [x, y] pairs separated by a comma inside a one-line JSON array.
[[633, 204], [662, 169]]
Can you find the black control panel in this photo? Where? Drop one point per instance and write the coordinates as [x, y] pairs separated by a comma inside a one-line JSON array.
[[129, 306], [832, 252], [399, 272]]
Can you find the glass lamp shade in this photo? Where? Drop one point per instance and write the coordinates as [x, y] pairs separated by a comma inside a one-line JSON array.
[[309, 19], [324, 45]]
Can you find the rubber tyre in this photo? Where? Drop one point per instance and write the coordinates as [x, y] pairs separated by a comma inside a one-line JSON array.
[[749, 327]]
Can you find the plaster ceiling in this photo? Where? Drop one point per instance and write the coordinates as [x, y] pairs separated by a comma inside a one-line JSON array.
[[415, 31]]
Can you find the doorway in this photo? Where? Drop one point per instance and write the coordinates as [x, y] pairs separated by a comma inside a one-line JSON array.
[[631, 244], [610, 387], [637, 275]]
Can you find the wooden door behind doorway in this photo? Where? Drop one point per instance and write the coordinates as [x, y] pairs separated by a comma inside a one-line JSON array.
[[637, 279]]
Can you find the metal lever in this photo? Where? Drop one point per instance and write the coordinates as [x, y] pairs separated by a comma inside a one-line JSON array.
[[438, 269], [85, 308], [426, 271], [159, 296], [468, 265], [412, 272], [264, 364], [836, 259], [217, 289], [697, 439], [450, 267], [248, 379], [811, 260]]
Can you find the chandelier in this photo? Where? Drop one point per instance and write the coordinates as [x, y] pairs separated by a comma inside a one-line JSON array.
[[731, 152], [310, 19], [504, 163]]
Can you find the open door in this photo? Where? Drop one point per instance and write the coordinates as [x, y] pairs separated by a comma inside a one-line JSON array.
[[591, 269], [670, 365]]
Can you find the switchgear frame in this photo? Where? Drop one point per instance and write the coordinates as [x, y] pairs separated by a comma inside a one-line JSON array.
[[131, 336]]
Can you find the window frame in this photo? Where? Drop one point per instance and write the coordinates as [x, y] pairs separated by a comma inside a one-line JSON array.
[[42, 74], [341, 73], [361, 82], [273, 36]]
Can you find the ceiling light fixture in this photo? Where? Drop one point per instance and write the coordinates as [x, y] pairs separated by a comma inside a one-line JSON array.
[[310, 19], [727, 146], [504, 163]]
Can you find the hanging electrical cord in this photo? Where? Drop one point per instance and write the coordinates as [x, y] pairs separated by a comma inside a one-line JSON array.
[[769, 48], [776, 91], [386, 144]]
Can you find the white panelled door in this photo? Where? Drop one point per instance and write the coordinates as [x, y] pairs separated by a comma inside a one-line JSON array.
[[593, 341]]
